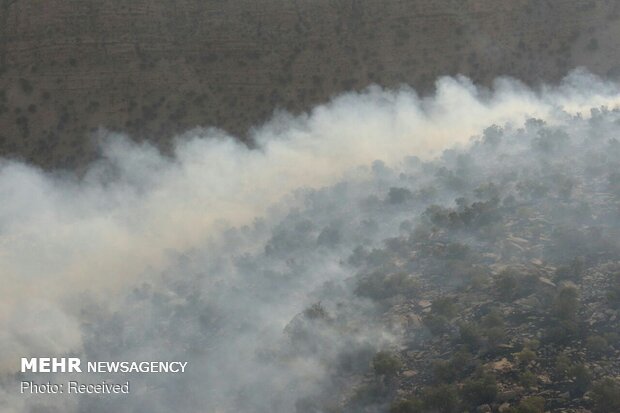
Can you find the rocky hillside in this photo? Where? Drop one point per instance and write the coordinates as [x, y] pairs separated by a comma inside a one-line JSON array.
[[154, 68], [487, 280], [510, 297]]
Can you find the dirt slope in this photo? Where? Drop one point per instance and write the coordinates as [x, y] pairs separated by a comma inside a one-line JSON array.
[[154, 68]]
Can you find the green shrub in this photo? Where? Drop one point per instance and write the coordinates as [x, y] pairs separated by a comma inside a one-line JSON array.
[[562, 365], [506, 285], [443, 398], [573, 271], [469, 335], [411, 405], [526, 356], [443, 371], [479, 390], [581, 378], [448, 371], [566, 303], [528, 379], [444, 306], [386, 363], [495, 336], [371, 393], [532, 344], [493, 319], [606, 396], [597, 345], [614, 290], [379, 286], [563, 332], [437, 325], [511, 284], [534, 404]]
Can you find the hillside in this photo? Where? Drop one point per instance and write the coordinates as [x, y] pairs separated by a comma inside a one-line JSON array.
[[487, 280], [156, 68]]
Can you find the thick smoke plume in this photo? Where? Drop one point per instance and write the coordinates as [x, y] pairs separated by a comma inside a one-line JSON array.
[[239, 259]]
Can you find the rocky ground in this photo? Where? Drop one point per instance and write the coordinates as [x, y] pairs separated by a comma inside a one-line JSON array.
[[508, 298]]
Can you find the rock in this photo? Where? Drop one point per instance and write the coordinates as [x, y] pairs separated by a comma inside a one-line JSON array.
[[502, 365], [415, 320], [530, 302], [504, 407], [546, 281], [507, 395], [518, 240], [485, 408], [517, 246], [543, 378], [492, 256]]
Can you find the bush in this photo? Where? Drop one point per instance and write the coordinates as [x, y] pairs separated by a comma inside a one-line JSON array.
[[386, 363], [378, 286], [613, 339], [526, 356], [444, 306], [562, 365], [528, 379], [614, 292], [437, 325], [596, 345], [412, 405], [606, 396], [573, 271], [463, 362], [493, 319], [470, 335], [495, 337], [371, 393], [563, 332], [506, 285], [581, 378], [443, 371], [566, 303], [443, 399], [479, 390], [534, 404], [448, 371]]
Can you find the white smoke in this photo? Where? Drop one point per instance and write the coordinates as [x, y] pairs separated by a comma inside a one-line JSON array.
[[136, 211]]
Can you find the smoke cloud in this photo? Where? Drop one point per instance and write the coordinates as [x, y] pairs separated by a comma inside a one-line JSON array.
[[239, 259]]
